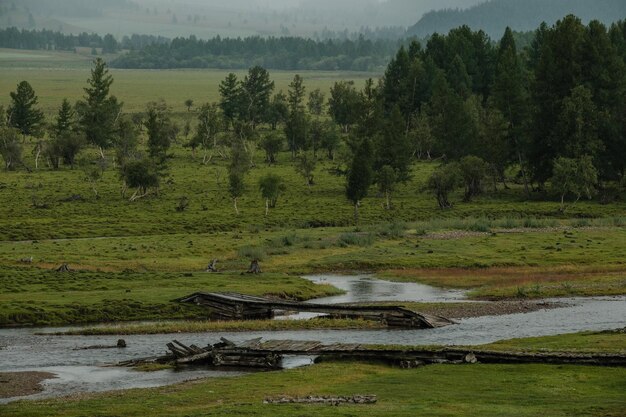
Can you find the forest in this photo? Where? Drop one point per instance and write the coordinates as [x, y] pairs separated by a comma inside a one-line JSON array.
[[284, 53], [550, 118], [15, 38]]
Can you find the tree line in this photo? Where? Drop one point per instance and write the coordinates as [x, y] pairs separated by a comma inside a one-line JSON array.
[[282, 53], [15, 38], [551, 118]]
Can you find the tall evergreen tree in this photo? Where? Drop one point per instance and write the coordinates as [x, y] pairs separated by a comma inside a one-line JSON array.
[[230, 102], [604, 73], [360, 176], [511, 97], [296, 124], [558, 70], [65, 118], [394, 147], [23, 113], [99, 111]]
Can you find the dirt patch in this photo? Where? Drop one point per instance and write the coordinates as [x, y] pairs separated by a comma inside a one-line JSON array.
[[20, 384], [494, 308]]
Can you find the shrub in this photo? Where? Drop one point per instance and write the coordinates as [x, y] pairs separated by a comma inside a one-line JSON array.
[[252, 253], [393, 230], [355, 239]]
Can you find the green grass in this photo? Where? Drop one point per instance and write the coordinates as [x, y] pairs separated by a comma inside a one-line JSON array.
[[228, 326], [58, 75], [35, 297], [587, 342], [438, 390]]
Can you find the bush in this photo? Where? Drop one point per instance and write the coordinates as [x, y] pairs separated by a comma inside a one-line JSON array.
[[480, 225], [252, 253], [355, 239], [442, 182], [473, 171], [393, 230]]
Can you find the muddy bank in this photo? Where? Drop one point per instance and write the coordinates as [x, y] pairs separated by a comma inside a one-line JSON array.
[[20, 384], [493, 308]]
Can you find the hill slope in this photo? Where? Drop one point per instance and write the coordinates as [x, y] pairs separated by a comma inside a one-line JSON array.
[[494, 16]]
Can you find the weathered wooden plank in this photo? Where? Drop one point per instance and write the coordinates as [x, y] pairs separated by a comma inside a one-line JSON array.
[[240, 306], [202, 357]]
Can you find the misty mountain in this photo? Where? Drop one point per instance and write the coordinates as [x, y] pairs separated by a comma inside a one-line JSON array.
[[494, 16]]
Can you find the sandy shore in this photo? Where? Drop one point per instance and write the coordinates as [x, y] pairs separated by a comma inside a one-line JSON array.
[[19, 384]]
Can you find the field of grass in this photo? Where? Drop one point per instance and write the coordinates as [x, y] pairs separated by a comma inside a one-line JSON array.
[[48, 298], [499, 245], [58, 75], [588, 342], [130, 260], [136, 277], [191, 326], [438, 390]]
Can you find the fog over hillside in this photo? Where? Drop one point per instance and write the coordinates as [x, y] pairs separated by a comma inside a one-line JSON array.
[[205, 18]]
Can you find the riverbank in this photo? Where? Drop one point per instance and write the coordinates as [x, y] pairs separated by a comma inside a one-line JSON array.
[[20, 384]]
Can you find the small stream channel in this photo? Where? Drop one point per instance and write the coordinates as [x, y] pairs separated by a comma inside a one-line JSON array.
[[81, 370]]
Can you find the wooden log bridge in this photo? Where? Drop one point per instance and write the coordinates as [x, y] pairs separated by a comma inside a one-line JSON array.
[[232, 306], [257, 353]]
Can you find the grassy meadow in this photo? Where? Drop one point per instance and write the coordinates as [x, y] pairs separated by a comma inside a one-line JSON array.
[[130, 260], [58, 75], [437, 390]]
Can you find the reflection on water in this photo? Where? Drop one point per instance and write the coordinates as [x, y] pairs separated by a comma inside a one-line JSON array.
[[80, 371], [366, 288]]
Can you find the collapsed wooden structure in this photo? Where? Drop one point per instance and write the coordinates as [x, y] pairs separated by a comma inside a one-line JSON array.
[[232, 306], [261, 354]]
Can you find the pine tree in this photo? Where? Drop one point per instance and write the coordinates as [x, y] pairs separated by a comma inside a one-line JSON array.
[[65, 118], [99, 112], [510, 97], [230, 102], [360, 176], [23, 113], [393, 147], [296, 124]]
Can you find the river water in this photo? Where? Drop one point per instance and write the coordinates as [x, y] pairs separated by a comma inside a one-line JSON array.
[[82, 371]]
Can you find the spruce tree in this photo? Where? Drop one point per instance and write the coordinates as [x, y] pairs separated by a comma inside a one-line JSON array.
[[230, 102], [23, 113], [360, 176], [99, 111], [510, 97]]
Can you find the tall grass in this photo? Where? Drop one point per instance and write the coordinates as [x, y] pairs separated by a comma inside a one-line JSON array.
[[485, 224]]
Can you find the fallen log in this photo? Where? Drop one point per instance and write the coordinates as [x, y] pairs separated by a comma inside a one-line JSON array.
[[268, 355], [201, 357], [255, 267], [120, 345], [329, 400], [212, 267], [63, 268]]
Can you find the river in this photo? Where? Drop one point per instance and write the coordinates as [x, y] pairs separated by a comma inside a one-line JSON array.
[[82, 371]]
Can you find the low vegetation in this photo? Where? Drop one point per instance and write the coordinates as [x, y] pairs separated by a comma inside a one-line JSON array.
[[548, 390]]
